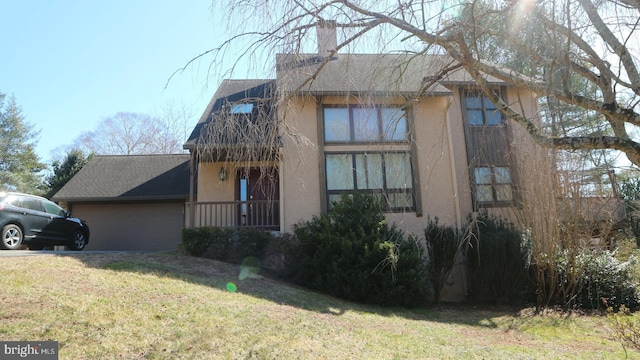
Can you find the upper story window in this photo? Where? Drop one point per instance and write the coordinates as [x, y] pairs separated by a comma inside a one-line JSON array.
[[481, 111], [364, 124], [243, 108]]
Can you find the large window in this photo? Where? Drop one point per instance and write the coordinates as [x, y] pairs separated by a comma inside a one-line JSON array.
[[364, 124], [481, 111], [387, 175], [487, 143], [493, 185]]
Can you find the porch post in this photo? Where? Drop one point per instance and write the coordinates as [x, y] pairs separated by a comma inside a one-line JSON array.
[[192, 206]]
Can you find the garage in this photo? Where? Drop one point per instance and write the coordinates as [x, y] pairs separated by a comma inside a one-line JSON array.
[[131, 203], [132, 226]]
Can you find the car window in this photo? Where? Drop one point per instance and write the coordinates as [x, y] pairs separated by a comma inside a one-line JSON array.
[[32, 204], [54, 209], [13, 200]]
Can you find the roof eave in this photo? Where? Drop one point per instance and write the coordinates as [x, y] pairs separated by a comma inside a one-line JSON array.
[[118, 199]]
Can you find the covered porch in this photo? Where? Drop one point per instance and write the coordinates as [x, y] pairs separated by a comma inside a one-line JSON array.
[[235, 155], [235, 195], [257, 214]]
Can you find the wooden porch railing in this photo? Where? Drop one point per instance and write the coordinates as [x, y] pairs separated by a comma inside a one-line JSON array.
[[257, 214]]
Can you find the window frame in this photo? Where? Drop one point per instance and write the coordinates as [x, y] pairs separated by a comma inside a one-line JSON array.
[[485, 112], [494, 184], [242, 108], [384, 191], [380, 124]]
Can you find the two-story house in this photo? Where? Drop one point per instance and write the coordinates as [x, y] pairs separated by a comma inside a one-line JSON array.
[[270, 153]]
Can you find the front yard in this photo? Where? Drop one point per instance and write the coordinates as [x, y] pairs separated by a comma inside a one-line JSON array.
[[169, 306]]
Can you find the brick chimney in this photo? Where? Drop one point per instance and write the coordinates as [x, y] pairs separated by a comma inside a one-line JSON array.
[[327, 37]]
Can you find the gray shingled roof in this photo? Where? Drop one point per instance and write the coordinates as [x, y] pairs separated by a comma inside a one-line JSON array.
[[129, 177], [230, 90], [368, 73], [382, 74]]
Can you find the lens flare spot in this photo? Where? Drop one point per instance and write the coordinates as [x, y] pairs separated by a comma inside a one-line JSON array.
[[231, 287], [249, 268]]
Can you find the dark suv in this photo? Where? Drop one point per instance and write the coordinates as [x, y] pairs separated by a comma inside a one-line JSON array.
[[37, 223]]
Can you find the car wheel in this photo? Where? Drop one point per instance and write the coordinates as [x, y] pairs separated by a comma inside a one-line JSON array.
[[11, 237], [79, 241]]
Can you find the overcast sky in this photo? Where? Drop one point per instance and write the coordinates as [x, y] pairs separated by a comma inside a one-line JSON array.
[[71, 63]]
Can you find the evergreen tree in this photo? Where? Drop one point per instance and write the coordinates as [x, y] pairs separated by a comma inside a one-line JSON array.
[[19, 164], [64, 170]]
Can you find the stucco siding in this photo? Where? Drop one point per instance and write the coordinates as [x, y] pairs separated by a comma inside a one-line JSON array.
[[300, 174], [436, 123]]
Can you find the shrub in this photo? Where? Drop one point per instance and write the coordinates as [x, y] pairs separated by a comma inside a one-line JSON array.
[[625, 327], [215, 241], [602, 281], [498, 257], [353, 254], [226, 244], [248, 243], [443, 244], [288, 247]]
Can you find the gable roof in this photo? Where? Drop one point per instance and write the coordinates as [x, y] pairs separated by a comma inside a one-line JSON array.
[[350, 74], [129, 177], [230, 91]]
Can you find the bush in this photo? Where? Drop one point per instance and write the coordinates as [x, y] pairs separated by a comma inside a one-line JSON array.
[[443, 244], [215, 241], [498, 257], [602, 281], [353, 254], [625, 327], [248, 243], [226, 244]]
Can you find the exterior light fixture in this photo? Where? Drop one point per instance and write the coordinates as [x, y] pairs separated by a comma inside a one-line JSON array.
[[223, 173]]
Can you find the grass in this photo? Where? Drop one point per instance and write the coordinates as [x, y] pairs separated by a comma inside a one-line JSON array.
[[169, 306]]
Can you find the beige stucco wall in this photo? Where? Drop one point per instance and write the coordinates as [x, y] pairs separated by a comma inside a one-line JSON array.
[[437, 121], [210, 188], [300, 172]]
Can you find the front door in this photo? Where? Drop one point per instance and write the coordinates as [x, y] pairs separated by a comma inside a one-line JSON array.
[[258, 194]]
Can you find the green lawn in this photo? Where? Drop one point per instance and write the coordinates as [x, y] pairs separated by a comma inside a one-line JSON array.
[[169, 306]]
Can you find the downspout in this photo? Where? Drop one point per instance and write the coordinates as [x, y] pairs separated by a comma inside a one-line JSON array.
[[281, 185], [464, 273], [454, 183]]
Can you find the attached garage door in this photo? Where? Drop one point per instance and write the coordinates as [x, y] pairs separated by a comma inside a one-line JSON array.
[[132, 227]]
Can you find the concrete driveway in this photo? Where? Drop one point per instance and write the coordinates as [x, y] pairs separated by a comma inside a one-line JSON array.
[[14, 253]]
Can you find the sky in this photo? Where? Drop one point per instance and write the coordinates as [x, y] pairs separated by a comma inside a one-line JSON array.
[[72, 63]]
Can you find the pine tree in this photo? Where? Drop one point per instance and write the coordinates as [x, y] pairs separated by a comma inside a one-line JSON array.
[[64, 170], [19, 164]]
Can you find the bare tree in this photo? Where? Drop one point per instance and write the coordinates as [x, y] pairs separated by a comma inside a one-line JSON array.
[[176, 122], [122, 134], [127, 133], [578, 53]]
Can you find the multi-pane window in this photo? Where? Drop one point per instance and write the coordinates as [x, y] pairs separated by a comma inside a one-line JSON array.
[[481, 111], [387, 175], [487, 143], [364, 124], [493, 185]]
